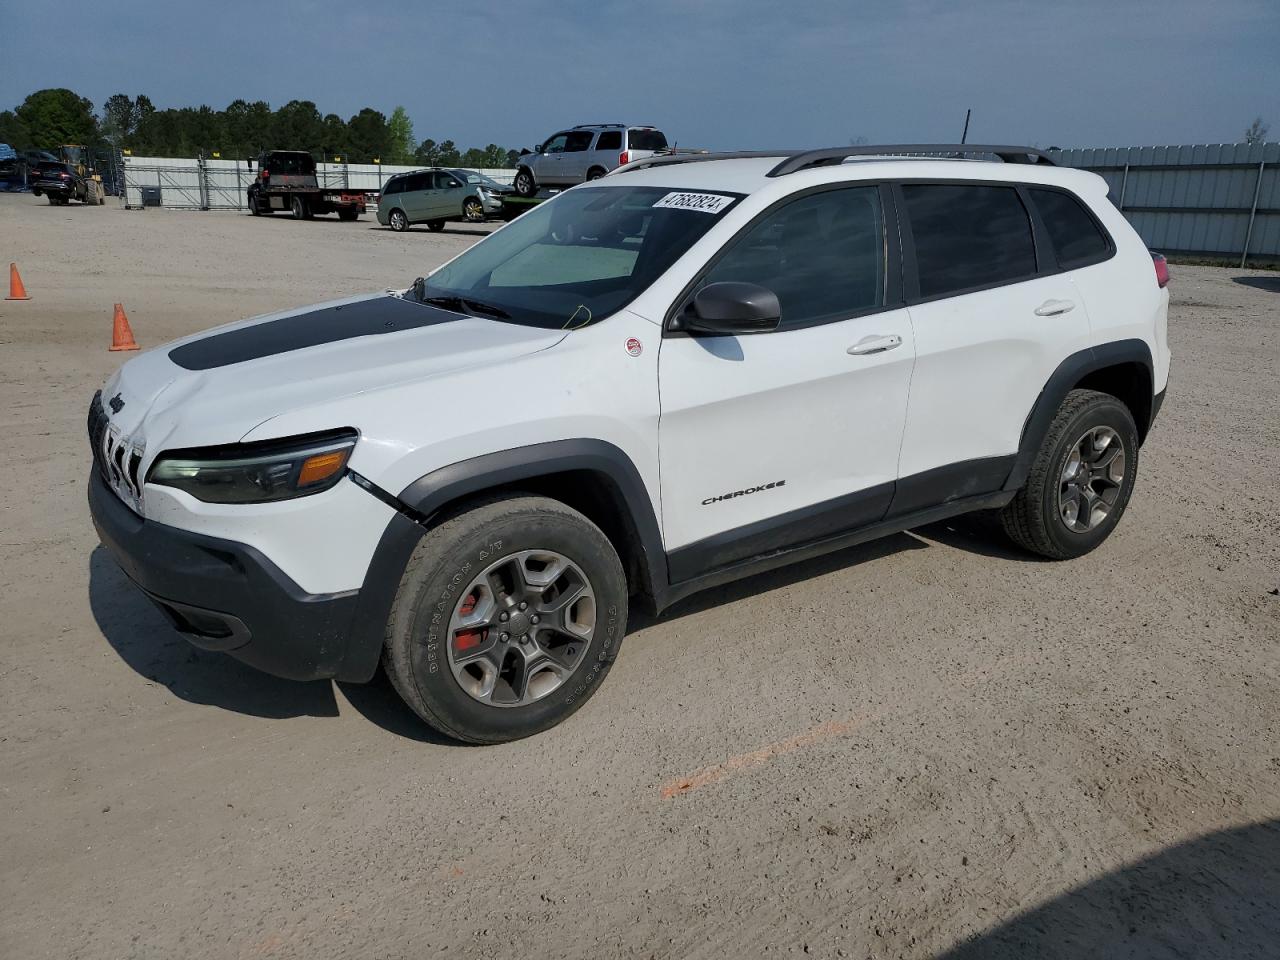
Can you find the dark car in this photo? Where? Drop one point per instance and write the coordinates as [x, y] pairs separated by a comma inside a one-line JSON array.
[[59, 182]]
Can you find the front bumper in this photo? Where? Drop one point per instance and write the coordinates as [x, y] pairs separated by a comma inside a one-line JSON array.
[[228, 596]]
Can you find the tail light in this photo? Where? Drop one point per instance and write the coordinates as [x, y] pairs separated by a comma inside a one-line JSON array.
[[264, 173], [624, 157], [1162, 269]]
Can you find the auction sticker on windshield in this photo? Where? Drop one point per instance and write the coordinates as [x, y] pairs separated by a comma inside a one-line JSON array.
[[702, 202]]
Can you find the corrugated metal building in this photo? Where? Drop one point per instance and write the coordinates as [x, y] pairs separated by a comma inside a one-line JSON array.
[[1210, 200]]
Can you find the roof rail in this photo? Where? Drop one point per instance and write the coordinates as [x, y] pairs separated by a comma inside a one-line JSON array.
[[666, 159], [830, 156], [583, 126]]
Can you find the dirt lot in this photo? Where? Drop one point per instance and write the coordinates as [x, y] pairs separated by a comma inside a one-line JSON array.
[[926, 746]]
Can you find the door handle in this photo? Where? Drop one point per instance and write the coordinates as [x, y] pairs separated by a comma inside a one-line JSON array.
[[874, 344], [1054, 308]]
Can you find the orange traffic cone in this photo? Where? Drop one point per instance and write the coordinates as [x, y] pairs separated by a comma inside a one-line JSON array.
[[16, 290], [121, 334]]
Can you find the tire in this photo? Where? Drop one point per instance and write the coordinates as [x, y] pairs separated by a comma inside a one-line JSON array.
[[397, 220], [1056, 514], [299, 207], [435, 226], [53, 201], [444, 575], [254, 209], [472, 210], [595, 173], [524, 182], [348, 213]]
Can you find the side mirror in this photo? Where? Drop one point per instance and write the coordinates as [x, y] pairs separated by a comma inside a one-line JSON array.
[[731, 308]]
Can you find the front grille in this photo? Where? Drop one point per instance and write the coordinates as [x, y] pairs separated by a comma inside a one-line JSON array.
[[116, 459], [97, 430]]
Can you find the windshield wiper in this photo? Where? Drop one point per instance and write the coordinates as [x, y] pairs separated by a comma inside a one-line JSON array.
[[466, 305]]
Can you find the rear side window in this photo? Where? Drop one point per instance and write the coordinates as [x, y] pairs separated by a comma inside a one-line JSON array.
[[1077, 240], [646, 140], [417, 181], [610, 140], [968, 236], [578, 141], [823, 255]]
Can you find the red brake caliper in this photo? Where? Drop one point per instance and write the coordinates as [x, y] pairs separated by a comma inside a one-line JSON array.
[[465, 640]]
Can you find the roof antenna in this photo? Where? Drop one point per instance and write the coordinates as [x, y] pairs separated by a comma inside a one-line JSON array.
[[965, 136]]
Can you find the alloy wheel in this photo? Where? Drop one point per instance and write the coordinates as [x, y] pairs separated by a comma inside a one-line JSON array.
[[472, 210], [1091, 479], [521, 628]]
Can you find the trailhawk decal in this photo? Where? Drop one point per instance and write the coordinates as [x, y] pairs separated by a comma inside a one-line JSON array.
[[701, 202], [743, 493]]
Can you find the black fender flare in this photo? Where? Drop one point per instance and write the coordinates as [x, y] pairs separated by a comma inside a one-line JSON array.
[[420, 504], [1068, 373]]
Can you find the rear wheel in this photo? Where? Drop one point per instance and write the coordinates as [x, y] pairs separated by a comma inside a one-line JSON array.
[[595, 173], [253, 206], [435, 225], [398, 221], [348, 213], [299, 207], [524, 183], [507, 619], [1080, 481]]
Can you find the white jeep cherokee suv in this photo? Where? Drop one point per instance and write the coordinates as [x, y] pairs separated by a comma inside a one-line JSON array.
[[694, 369]]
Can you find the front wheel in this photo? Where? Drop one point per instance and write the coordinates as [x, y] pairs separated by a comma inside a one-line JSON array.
[[473, 210], [507, 619], [524, 183], [1080, 481]]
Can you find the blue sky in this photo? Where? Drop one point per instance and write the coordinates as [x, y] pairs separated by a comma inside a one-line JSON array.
[[712, 73]]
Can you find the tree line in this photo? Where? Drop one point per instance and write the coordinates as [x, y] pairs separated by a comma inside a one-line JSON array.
[[49, 118]]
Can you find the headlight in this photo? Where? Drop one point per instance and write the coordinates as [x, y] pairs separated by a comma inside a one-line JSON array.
[[257, 472]]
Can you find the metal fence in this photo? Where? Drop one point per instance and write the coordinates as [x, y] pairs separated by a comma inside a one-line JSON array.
[[184, 183], [1218, 201]]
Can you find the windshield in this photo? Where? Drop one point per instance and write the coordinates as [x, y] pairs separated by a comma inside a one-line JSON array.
[[481, 179], [580, 257]]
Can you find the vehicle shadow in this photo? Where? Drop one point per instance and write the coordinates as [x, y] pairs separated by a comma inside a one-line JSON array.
[[973, 533], [1269, 284], [638, 618], [144, 639], [1217, 896]]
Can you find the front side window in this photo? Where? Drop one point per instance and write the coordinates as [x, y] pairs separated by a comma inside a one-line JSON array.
[[968, 236], [823, 255], [578, 141], [555, 144], [579, 257], [1076, 237], [444, 181]]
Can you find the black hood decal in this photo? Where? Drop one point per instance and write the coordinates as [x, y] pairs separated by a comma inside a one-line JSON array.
[[328, 325]]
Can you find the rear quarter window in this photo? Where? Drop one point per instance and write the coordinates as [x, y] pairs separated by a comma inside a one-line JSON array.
[[968, 237], [1077, 239], [646, 140], [610, 140]]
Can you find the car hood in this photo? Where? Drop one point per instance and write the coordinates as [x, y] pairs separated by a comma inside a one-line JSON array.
[[218, 386]]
